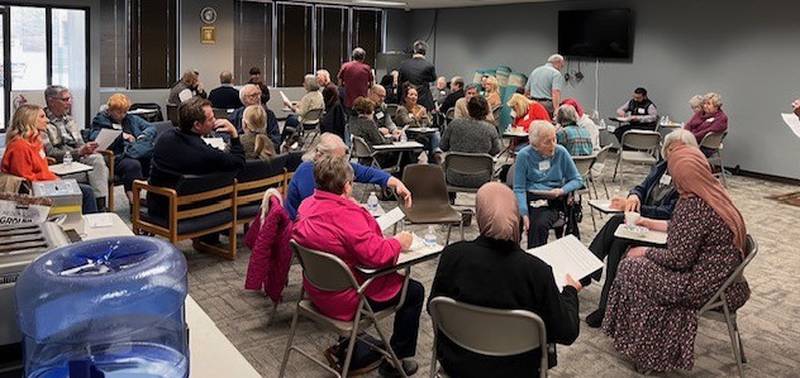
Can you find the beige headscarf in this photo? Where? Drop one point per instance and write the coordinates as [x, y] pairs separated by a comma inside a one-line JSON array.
[[496, 210]]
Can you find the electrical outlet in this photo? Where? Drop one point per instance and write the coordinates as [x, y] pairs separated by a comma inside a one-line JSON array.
[[579, 76]]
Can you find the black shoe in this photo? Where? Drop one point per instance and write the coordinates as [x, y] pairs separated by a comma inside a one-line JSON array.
[[387, 369], [595, 319]]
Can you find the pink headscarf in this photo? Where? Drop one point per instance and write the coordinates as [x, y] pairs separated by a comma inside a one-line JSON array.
[[577, 105], [497, 213]]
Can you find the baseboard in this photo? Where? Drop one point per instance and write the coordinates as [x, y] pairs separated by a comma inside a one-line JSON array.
[[763, 176]]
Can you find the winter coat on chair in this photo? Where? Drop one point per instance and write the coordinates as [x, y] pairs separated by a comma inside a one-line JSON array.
[[268, 239]]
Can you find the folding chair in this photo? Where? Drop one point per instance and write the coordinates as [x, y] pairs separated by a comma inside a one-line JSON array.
[[719, 302], [310, 122], [638, 146], [584, 165], [327, 272], [488, 331], [431, 203], [474, 167], [713, 141]]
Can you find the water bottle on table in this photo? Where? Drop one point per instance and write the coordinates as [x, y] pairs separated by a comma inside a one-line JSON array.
[[430, 236], [372, 202], [67, 159]]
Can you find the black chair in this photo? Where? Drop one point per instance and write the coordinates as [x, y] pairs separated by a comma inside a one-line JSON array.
[[153, 115]]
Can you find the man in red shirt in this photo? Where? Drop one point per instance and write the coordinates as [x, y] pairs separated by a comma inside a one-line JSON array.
[[356, 77]]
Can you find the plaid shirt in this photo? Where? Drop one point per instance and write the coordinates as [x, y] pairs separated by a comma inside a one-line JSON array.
[[577, 140]]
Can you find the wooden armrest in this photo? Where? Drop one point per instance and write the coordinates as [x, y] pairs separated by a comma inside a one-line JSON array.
[[139, 185]]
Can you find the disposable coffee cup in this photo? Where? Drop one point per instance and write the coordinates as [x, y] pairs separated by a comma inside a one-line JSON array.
[[631, 217]]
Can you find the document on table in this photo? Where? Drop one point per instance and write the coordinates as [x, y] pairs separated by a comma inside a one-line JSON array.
[[793, 122], [418, 250], [217, 143], [389, 219], [567, 256], [69, 169], [604, 206], [106, 137]]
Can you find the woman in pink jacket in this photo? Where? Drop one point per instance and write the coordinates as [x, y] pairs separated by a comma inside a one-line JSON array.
[[709, 120], [331, 221]]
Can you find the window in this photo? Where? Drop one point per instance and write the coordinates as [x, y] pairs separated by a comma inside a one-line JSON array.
[[295, 53], [69, 56], [28, 51], [253, 44], [139, 42], [368, 32], [332, 38]]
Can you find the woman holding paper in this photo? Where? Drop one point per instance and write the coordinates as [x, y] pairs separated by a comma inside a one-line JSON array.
[[493, 271], [310, 101], [24, 155], [651, 312], [358, 242]]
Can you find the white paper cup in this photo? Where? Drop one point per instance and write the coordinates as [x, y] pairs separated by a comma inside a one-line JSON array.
[[631, 217]]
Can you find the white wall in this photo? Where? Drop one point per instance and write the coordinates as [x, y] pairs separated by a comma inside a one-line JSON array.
[[745, 50]]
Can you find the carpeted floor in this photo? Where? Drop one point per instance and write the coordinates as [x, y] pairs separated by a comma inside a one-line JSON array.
[[771, 338]]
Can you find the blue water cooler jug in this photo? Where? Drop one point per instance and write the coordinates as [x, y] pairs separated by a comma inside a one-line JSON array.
[[110, 308]]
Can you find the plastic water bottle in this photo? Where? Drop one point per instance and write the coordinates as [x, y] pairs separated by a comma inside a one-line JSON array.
[[430, 236], [403, 137], [68, 159], [113, 306], [602, 123], [372, 202]]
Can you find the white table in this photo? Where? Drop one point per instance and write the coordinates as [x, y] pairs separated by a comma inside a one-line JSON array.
[[399, 146], [650, 237], [75, 167], [211, 353], [515, 134], [604, 206]]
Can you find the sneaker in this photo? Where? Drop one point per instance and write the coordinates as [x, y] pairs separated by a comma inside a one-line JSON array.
[[595, 319], [387, 368]]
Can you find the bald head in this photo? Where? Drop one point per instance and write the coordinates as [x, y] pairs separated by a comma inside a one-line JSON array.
[[377, 93], [225, 77]]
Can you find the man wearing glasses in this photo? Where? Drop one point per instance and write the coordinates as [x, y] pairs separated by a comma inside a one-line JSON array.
[[63, 137], [250, 94]]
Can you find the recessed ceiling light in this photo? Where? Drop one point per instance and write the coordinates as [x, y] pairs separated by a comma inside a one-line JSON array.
[[382, 3]]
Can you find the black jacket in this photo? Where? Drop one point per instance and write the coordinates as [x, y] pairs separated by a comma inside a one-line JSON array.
[[450, 100], [225, 97], [498, 274], [334, 120], [421, 73]]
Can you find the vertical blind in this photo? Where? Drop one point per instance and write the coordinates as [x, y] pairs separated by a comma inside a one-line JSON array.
[[295, 55], [368, 32], [332, 41], [253, 44], [153, 40]]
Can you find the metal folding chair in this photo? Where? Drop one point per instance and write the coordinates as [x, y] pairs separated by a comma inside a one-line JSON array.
[[713, 141], [327, 272], [638, 146], [487, 331]]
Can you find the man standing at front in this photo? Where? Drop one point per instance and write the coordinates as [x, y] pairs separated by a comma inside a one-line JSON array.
[[545, 83], [419, 72], [356, 77]]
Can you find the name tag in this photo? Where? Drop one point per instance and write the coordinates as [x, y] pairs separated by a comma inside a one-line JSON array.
[[116, 126], [379, 115], [710, 119], [641, 111], [666, 179], [544, 165]]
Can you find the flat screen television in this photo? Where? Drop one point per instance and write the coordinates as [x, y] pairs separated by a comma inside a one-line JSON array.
[[600, 33]]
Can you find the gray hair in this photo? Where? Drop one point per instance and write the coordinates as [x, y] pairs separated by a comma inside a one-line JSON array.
[[566, 114], [359, 54], [714, 98], [225, 77], [332, 173], [310, 83], [474, 86], [376, 87], [328, 143], [555, 58], [683, 136], [247, 89], [539, 128], [53, 91], [696, 101]]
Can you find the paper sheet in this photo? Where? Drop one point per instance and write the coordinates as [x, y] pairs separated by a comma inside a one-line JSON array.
[[285, 99], [567, 256], [793, 122], [604, 206], [106, 137], [389, 219], [217, 143], [100, 220], [62, 169], [418, 250]]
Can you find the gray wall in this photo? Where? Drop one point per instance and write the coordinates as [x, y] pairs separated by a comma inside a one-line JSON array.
[[742, 49]]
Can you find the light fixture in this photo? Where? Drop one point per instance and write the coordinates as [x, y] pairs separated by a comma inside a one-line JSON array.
[[382, 3]]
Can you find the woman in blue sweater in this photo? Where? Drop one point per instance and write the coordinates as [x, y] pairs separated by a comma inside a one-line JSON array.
[[543, 177], [303, 185]]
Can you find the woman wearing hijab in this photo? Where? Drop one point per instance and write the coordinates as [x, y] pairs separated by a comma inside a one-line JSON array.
[[493, 271], [651, 312]]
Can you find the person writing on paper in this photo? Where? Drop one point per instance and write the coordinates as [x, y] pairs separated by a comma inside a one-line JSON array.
[[312, 100], [133, 149], [639, 112], [359, 242], [24, 153], [654, 199], [711, 120], [577, 140], [386, 125], [585, 122], [524, 111], [652, 307], [303, 184], [63, 136], [493, 271], [547, 168]]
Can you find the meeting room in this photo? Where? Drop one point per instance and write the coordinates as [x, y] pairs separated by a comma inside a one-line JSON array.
[[396, 188]]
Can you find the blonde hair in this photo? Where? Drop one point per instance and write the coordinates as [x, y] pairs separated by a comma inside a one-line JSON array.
[[490, 85], [254, 120], [23, 124], [118, 101], [519, 104]]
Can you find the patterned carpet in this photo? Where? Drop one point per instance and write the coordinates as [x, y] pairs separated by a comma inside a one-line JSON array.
[[767, 322]]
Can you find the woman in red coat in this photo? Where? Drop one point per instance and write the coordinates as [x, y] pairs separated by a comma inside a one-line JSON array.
[[24, 155]]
